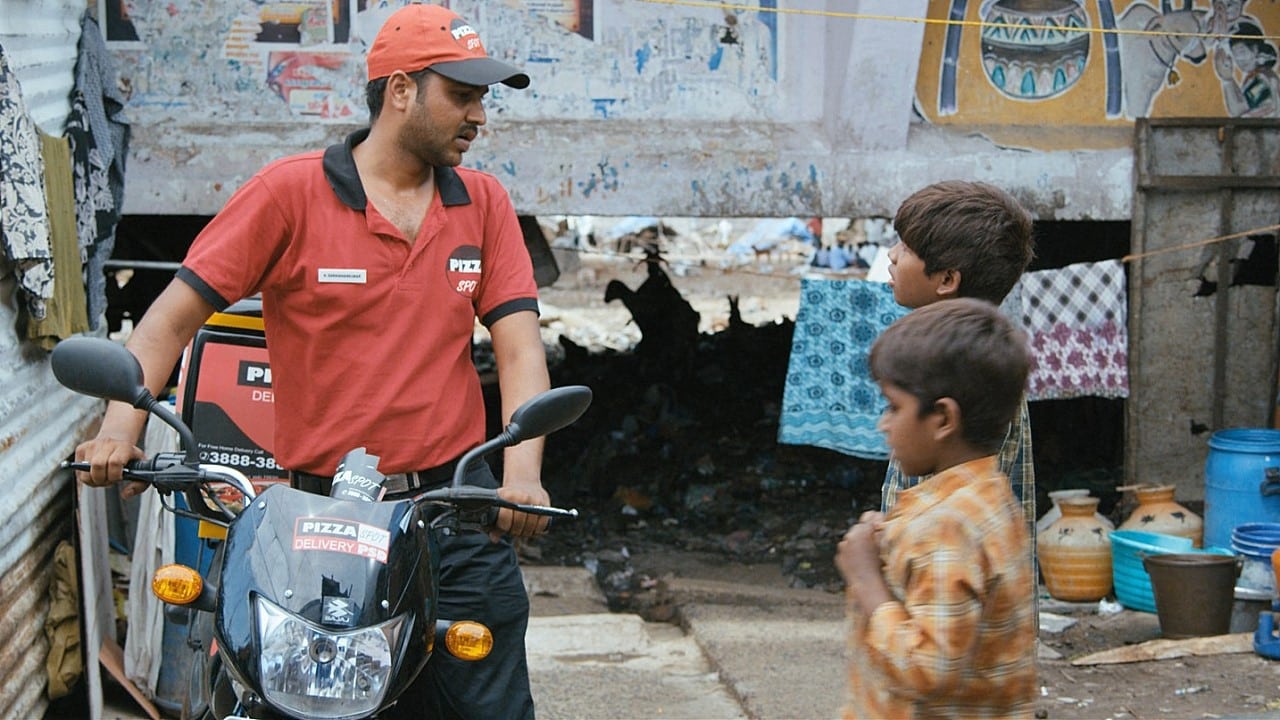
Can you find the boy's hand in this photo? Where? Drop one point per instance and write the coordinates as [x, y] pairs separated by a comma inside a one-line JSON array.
[[858, 554], [858, 560], [874, 518]]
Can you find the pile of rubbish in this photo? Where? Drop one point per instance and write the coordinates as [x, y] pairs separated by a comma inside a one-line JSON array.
[[679, 448]]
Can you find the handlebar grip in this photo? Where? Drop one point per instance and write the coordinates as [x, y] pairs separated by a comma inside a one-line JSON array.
[[145, 465], [490, 519]]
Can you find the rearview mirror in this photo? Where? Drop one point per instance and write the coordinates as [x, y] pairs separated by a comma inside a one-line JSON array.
[[100, 368], [547, 412]]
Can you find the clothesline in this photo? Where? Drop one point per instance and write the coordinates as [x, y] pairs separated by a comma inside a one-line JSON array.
[[1200, 243]]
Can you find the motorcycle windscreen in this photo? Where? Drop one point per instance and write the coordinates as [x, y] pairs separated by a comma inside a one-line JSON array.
[[311, 566]]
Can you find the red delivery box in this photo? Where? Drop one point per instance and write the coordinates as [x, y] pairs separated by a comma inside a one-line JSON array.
[[225, 393]]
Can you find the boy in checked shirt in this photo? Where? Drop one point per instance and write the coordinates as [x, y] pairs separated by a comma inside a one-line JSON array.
[[939, 591]]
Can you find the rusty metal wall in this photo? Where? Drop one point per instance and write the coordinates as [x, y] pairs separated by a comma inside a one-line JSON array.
[[40, 423], [1199, 361]]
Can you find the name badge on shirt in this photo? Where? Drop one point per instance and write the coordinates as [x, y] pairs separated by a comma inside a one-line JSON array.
[[351, 276]]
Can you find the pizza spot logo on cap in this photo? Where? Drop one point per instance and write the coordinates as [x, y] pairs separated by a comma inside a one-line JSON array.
[[466, 36]]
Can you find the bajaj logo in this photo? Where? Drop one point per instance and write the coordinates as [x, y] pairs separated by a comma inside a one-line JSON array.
[[254, 373]]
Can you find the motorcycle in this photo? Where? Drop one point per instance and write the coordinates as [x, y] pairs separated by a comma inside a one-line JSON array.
[[313, 606]]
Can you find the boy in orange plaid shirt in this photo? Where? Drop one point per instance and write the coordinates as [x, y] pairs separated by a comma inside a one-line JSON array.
[[939, 590]]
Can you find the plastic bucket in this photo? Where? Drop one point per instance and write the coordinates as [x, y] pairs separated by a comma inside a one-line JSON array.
[[1238, 488], [1130, 579], [1255, 542], [1194, 592]]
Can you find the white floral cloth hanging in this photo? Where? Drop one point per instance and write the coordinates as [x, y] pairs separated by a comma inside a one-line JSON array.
[[24, 218]]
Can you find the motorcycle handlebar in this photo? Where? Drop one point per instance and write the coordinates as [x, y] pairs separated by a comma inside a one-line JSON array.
[[136, 470], [153, 471], [472, 497], [167, 473]]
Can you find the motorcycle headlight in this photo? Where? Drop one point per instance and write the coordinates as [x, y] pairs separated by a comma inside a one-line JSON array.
[[314, 672]]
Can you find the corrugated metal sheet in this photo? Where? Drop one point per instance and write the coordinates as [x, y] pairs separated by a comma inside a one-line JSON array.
[[39, 39], [40, 422]]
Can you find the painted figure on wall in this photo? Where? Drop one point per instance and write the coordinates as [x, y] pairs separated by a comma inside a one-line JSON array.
[[1150, 62], [1224, 16], [1255, 90]]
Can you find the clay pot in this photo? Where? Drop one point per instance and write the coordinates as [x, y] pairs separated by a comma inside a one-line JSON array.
[[1075, 552], [1054, 512], [1157, 512]]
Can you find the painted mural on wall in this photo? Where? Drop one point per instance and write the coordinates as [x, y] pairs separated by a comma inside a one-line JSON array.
[[1020, 64], [276, 60]]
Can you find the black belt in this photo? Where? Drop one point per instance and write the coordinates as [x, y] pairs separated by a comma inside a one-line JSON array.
[[414, 481]]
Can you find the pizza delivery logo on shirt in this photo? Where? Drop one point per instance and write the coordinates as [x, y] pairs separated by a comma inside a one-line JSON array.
[[463, 272]]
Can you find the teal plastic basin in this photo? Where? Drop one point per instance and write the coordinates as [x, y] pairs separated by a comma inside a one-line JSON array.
[[1130, 578]]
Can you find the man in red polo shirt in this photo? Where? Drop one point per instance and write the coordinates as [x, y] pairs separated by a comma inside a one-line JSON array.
[[374, 258]]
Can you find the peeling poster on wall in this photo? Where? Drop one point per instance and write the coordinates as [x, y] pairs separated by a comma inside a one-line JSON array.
[[573, 15], [115, 19], [307, 81]]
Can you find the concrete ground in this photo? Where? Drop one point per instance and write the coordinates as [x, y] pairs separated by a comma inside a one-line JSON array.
[[743, 651]]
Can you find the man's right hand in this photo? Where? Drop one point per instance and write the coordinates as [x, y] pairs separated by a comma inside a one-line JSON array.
[[157, 342], [107, 457]]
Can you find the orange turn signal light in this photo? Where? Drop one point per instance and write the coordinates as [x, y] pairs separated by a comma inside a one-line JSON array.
[[468, 640], [177, 584]]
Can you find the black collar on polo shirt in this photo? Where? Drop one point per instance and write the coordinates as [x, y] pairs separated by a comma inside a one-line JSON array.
[[340, 171]]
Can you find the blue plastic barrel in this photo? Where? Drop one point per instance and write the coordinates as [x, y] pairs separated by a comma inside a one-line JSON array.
[[1241, 481]]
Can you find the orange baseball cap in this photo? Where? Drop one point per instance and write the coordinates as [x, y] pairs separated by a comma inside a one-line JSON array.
[[429, 36]]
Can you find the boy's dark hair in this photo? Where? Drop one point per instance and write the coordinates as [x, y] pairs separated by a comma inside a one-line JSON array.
[[972, 227], [964, 349], [376, 88]]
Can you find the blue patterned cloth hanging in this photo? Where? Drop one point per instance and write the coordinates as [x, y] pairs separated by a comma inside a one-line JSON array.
[[829, 399]]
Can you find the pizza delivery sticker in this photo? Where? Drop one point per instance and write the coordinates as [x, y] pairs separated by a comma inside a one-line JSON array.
[[341, 536]]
